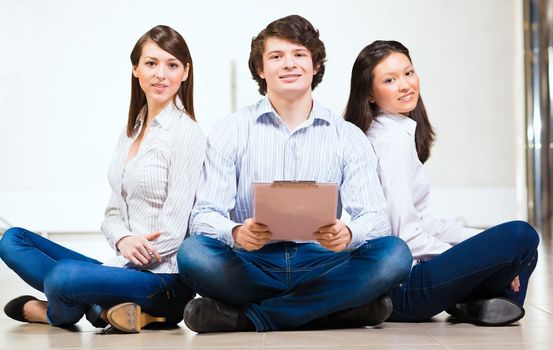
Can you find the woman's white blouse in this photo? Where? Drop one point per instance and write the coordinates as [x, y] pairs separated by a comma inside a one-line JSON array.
[[155, 190], [406, 188]]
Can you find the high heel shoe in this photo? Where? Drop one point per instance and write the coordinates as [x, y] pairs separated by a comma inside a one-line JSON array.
[[129, 318], [14, 308]]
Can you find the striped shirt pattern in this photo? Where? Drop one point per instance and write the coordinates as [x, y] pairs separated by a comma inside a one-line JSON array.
[[155, 191], [254, 144]]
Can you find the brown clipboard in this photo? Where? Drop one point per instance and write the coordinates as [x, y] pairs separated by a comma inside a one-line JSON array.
[[294, 210]]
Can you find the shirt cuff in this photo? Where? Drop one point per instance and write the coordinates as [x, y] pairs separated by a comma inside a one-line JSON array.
[[357, 235], [215, 226], [113, 238], [226, 233]]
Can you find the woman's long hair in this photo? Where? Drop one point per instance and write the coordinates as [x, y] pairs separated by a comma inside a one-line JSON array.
[[361, 112], [171, 41]]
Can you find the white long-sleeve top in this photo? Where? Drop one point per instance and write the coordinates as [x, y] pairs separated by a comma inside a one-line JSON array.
[[406, 188], [155, 190]]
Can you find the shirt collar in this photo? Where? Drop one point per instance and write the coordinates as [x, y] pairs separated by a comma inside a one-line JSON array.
[[404, 123], [318, 112], [165, 118]]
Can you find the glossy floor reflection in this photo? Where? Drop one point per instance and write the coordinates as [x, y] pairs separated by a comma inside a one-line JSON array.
[[534, 331]]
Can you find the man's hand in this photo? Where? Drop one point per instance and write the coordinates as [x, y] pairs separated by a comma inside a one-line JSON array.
[[251, 236], [334, 237], [138, 249]]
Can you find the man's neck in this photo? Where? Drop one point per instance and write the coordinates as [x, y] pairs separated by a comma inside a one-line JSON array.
[[293, 111]]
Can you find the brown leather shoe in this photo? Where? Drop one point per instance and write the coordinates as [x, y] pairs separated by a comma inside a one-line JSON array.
[[129, 318]]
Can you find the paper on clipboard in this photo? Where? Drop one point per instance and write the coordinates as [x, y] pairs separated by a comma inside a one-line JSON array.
[[294, 210]]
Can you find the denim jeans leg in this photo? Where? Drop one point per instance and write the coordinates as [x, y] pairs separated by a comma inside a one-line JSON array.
[[480, 267], [73, 286], [324, 281], [32, 256], [215, 270], [285, 285], [528, 267]]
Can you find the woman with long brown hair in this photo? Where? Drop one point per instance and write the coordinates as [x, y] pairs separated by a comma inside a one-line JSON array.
[[153, 177]]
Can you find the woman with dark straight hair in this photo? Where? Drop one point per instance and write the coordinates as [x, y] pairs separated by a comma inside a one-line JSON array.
[[153, 177], [479, 277], [172, 42]]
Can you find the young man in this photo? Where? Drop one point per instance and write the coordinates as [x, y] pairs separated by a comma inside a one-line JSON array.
[[250, 282]]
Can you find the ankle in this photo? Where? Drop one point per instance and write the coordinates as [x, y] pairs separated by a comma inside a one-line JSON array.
[[104, 316], [35, 311]]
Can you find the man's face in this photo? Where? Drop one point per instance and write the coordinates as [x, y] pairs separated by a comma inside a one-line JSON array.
[[287, 68]]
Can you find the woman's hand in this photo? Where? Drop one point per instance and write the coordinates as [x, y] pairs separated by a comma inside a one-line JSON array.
[[334, 237], [251, 236], [515, 285], [138, 249]]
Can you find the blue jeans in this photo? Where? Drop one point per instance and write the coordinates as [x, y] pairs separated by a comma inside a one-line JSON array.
[[479, 268], [75, 285], [285, 285]]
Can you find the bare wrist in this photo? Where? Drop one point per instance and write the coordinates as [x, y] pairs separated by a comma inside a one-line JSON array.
[[235, 231], [119, 241]]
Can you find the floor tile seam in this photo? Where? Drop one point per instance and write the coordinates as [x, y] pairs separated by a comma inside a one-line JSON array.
[[263, 341], [543, 310], [435, 338]]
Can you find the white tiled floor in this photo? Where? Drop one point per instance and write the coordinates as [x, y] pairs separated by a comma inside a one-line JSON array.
[[534, 331]]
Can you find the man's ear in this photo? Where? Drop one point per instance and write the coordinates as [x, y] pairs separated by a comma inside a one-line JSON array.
[[316, 70]]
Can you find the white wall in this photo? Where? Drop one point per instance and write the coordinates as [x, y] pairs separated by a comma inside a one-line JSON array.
[[64, 90]]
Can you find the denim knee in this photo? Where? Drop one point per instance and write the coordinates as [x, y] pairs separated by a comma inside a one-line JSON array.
[[518, 239], [399, 260], [62, 279], [391, 261], [183, 256], [61, 285], [194, 259], [11, 238], [394, 262], [523, 234]]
